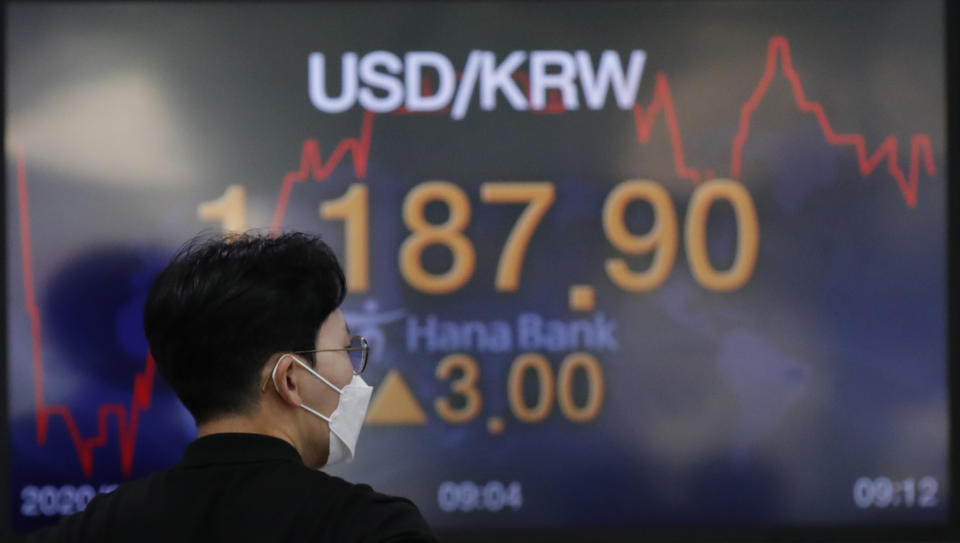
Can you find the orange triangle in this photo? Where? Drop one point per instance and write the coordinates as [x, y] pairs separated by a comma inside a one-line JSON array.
[[395, 404]]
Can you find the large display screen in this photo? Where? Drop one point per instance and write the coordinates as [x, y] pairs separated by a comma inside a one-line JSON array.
[[621, 265]]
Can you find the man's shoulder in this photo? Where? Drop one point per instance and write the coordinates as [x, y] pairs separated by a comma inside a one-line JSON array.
[[312, 486], [128, 493], [103, 510], [366, 514], [351, 494], [326, 506]]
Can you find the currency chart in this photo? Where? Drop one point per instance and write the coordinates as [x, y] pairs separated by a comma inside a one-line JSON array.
[[620, 265]]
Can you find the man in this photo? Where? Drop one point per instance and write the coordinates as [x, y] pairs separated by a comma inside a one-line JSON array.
[[247, 331]]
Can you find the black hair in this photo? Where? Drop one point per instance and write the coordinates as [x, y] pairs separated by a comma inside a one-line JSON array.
[[224, 304]]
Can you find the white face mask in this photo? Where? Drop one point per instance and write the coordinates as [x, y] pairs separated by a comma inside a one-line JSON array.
[[346, 419]]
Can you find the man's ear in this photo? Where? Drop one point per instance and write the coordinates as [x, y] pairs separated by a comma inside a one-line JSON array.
[[282, 378]]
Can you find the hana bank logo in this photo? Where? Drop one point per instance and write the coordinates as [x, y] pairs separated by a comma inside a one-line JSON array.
[[369, 323], [382, 81]]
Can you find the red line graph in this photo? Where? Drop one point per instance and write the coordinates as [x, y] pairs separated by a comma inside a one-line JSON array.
[[778, 55], [142, 382], [779, 48], [663, 101], [313, 166]]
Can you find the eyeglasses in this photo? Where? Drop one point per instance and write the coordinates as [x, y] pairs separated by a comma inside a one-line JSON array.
[[358, 350]]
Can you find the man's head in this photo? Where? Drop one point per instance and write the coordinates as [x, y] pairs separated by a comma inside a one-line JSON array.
[[227, 307]]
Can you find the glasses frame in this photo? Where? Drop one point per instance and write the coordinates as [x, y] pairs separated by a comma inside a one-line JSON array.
[[364, 348]]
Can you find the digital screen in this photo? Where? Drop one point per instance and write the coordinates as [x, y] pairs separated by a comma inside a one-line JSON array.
[[620, 265]]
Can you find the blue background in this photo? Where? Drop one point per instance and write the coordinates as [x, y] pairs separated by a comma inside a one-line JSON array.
[[760, 406]]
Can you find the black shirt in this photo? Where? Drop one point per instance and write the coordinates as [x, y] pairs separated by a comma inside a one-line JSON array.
[[242, 487]]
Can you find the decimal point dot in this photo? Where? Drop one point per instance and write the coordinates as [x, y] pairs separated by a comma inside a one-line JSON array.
[[495, 425], [581, 298]]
